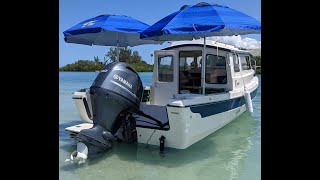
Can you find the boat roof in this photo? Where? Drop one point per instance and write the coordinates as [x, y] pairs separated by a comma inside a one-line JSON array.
[[209, 44]]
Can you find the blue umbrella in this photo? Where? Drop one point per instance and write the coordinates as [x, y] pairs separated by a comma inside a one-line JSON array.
[[202, 20], [108, 30]]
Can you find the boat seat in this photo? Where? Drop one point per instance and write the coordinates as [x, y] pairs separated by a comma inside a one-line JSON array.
[[217, 76], [183, 78]]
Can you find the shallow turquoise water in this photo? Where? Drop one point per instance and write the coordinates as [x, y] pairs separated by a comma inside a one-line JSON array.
[[233, 152]]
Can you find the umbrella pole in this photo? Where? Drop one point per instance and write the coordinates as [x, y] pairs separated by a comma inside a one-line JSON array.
[[118, 52], [204, 66]]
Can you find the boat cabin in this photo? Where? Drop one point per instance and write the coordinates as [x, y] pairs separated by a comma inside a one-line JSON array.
[[178, 70]]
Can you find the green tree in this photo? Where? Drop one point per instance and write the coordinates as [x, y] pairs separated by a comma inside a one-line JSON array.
[[136, 57], [112, 55], [96, 59], [258, 60], [126, 55], [83, 66]]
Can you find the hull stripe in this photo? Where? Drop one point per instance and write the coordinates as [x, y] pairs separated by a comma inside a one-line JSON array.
[[221, 106]]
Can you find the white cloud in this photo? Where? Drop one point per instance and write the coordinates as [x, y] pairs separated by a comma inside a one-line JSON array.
[[238, 41]]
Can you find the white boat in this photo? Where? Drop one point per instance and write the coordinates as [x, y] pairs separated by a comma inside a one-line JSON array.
[[177, 109]]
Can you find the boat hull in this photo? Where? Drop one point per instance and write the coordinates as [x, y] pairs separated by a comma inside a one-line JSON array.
[[189, 125]]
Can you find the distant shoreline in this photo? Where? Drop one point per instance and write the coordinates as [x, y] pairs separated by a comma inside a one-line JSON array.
[[98, 71], [257, 72]]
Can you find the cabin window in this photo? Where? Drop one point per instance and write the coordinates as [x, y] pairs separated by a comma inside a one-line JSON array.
[[216, 72], [253, 63], [190, 71], [248, 62], [236, 63], [245, 62], [165, 69]]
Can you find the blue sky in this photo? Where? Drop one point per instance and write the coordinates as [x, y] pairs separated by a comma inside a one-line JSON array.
[[72, 12]]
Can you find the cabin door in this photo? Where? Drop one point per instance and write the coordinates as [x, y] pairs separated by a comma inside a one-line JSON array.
[[165, 76]]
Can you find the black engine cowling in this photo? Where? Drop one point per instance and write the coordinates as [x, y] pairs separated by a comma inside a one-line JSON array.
[[117, 88], [115, 94]]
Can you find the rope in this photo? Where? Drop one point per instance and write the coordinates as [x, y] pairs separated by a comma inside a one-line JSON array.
[[150, 138]]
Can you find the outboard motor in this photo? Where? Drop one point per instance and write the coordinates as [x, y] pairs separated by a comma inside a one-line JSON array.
[[115, 94]]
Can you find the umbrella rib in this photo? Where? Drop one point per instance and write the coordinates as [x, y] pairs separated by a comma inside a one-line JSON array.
[[194, 28]]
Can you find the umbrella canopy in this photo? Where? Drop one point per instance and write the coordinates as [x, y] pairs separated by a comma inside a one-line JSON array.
[[202, 20], [108, 30]]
